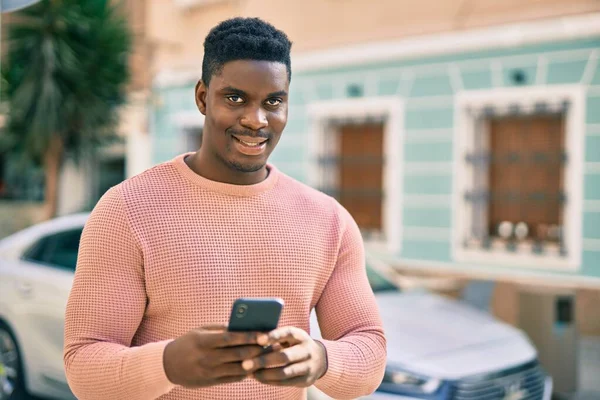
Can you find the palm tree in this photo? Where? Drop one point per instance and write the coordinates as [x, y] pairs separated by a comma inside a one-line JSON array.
[[66, 70]]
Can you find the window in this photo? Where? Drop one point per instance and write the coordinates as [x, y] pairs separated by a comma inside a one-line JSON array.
[[355, 156], [59, 250], [190, 126], [519, 178], [526, 180], [517, 194], [357, 169]]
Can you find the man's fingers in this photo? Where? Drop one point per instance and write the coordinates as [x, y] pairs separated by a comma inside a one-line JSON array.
[[282, 374], [214, 327], [219, 339], [276, 347], [238, 353], [287, 334], [228, 370], [283, 357]]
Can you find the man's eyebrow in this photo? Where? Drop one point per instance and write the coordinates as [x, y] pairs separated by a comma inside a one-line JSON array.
[[281, 93], [231, 89]]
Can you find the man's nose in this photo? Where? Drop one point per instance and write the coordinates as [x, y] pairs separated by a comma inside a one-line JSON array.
[[254, 119]]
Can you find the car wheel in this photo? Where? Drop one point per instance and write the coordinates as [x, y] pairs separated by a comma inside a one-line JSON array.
[[11, 369]]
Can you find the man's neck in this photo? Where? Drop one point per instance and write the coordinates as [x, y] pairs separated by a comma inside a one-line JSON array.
[[217, 170]]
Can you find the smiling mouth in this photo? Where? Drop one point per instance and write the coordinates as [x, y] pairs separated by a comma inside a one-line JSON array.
[[250, 145], [251, 142]]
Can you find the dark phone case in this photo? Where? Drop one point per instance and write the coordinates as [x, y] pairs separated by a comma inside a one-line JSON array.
[[255, 314]]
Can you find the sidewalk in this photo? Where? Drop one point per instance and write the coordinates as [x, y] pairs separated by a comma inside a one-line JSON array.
[[589, 369]]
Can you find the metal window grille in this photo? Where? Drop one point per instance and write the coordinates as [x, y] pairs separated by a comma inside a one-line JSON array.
[[517, 195], [352, 166]]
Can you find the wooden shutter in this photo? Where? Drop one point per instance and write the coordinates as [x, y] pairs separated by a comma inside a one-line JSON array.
[[526, 172], [360, 166]]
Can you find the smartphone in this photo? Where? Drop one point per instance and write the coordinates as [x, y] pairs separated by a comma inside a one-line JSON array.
[[255, 314]]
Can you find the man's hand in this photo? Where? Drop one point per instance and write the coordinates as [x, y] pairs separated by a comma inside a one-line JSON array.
[[297, 359], [210, 356]]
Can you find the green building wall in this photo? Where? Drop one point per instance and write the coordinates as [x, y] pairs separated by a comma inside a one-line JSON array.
[[427, 89]]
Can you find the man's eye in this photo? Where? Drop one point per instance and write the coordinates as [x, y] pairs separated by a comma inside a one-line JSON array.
[[273, 102], [235, 99]]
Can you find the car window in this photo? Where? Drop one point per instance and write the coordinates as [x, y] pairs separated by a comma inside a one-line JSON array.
[[36, 252], [58, 250]]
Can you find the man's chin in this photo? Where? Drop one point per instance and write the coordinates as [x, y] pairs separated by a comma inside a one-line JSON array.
[[247, 167]]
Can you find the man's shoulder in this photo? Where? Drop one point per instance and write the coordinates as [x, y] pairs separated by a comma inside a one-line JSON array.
[[308, 195], [147, 186], [302, 189], [316, 207], [151, 178]]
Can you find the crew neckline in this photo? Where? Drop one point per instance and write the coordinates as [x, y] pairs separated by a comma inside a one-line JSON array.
[[222, 187]]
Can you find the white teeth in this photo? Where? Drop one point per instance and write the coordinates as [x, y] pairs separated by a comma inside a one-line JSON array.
[[251, 144]]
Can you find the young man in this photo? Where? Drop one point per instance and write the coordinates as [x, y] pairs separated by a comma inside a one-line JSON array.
[[165, 254]]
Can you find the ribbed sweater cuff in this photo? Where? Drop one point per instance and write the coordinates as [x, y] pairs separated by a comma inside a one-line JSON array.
[[154, 376], [335, 368]]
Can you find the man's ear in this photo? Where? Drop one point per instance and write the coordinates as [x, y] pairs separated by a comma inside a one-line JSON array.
[[201, 91]]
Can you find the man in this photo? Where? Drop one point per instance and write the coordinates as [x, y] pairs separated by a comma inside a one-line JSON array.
[[165, 254]]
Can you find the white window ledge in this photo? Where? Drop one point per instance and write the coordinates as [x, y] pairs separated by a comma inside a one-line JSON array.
[[502, 257]]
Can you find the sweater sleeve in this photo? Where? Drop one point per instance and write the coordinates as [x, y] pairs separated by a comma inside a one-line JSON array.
[[350, 323], [105, 307]]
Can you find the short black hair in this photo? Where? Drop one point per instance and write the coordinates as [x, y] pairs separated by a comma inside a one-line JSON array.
[[244, 39]]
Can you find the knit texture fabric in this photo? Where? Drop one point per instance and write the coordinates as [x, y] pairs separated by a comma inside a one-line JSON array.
[[168, 251]]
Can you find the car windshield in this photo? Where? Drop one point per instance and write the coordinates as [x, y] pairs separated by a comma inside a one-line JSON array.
[[378, 282], [58, 249]]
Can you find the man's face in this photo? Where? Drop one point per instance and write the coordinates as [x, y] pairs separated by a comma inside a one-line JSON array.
[[246, 110]]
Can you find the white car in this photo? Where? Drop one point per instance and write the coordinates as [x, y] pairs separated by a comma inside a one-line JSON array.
[[36, 275], [441, 349], [437, 348]]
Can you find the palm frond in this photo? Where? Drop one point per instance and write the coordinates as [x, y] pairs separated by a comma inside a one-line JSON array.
[[65, 71]]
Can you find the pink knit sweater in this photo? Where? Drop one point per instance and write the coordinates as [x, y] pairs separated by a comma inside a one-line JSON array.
[[168, 251]]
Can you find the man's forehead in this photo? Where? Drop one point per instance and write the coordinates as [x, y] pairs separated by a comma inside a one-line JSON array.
[[253, 75]]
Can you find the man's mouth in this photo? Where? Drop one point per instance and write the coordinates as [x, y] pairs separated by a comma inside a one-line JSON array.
[[250, 146], [250, 141]]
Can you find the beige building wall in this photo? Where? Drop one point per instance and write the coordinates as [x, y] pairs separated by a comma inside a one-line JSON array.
[[176, 28], [134, 119], [15, 216]]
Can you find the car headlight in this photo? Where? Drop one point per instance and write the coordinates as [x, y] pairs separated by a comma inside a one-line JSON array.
[[410, 382]]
